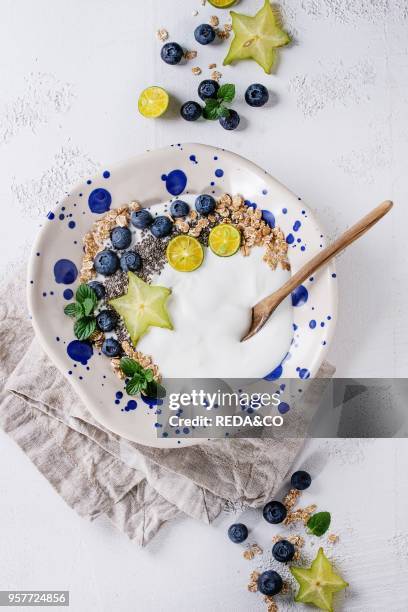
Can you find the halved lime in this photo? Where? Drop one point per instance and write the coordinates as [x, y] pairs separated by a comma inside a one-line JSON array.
[[153, 102], [185, 253], [222, 3], [224, 240]]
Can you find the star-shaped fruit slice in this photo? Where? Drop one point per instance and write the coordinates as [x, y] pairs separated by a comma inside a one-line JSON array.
[[143, 306], [318, 583], [257, 37]]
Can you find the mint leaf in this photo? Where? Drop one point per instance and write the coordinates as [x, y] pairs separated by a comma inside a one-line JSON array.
[[136, 384], [319, 523], [148, 375], [154, 390], [129, 366], [71, 310], [88, 306], [211, 109], [223, 111], [85, 292], [226, 92], [84, 328]]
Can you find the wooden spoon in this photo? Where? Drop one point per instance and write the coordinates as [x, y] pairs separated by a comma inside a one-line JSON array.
[[263, 310]]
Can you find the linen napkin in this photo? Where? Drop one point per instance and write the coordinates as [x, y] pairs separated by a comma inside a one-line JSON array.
[[96, 472]]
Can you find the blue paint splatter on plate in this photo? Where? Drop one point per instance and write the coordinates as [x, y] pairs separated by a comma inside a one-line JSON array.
[[176, 182], [300, 296], [80, 351], [65, 272], [99, 201]]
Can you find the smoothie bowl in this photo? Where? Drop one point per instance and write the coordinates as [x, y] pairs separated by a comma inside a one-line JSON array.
[[150, 270]]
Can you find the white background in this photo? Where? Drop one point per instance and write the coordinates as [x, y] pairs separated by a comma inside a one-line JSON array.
[[337, 135]]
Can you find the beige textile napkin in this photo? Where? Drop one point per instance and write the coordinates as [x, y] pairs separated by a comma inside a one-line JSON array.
[[96, 472]]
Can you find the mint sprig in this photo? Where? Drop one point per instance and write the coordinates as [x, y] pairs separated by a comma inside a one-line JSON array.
[[319, 523], [82, 311], [141, 379], [215, 107]]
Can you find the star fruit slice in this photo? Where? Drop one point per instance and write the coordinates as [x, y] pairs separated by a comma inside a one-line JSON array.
[[143, 306], [318, 583], [257, 37]]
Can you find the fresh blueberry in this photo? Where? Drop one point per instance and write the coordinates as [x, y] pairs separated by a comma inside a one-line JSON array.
[[179, 209], [301, 480], [111, 348], [274, 512], [130, 261], [256, 95], [204, 34], [231, 122], [283, 551], [141, 218], [98, 288], [238, 533], [106, 262], [121, 237], [270, 583], [106, 320], [205, 204], [172, 53], [161, 227], [208, 89], [191, 111]]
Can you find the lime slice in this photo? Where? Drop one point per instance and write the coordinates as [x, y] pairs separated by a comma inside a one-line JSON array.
[[224, 240], [153, 102], [185, 253], [222, 3]]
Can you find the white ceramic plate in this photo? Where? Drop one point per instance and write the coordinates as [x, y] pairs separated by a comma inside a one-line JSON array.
[[152, 178]]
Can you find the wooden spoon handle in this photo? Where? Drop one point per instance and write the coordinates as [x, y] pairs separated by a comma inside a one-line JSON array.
[[319, 260]]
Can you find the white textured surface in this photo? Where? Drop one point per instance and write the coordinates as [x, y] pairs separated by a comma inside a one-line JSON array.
[[337, 136]]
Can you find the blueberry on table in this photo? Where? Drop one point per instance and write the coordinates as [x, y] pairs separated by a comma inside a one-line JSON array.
[[106, 262], [191, 111], [238, 533], [301, 480], [161, 227], [208, 89], [270, 583], [121, 237], [179, 209], [107, 320], [111, 348], [172, 53], [141, 219], [274, 512], [130, 261], [256, 95], [98, 288], [205, 204], [231, 122], [204, 34], [283, 551]]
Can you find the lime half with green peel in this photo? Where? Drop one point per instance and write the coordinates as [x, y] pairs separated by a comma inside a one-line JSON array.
[[257, 37], [143, 306], [185, 253], [222, 3], [318, 583], [224, 240], [153, 102]]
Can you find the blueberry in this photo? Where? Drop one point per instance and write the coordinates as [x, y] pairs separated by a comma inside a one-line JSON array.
[[283, 551], [111, 348], [130, 261], [161, 227], [301, 480], [107, 320], [191, 111], [270, 583], [231, 122], [106, 262], [121, 237], [141, 218], [179, 209], [98, 288], [205, 204], [274, 512], [204, 34], [172, 53], [256, 95], [208, 89], [238, 533]]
